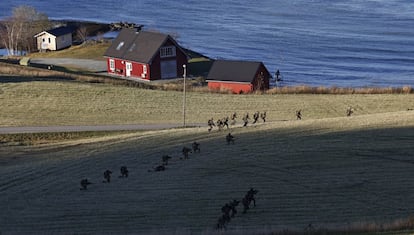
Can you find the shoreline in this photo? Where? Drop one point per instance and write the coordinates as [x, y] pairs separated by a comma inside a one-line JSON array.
[[94, 28]]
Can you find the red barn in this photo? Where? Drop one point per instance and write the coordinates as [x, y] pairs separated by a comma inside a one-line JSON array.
[[145, 55], [238, 76]]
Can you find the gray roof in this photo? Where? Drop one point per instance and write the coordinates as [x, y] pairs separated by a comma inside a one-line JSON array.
[[59, 31], [133, 45], [234, 71]]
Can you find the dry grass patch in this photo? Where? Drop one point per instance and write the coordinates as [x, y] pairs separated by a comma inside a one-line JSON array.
[[340, 90], [94, 51], [38, 103]]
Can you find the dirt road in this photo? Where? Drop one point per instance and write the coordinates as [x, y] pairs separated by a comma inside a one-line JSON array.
[[132, 127], [90, 65]]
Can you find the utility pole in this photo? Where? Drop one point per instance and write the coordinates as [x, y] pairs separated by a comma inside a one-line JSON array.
[[184, 98]]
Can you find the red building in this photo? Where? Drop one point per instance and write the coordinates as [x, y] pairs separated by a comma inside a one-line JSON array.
[[145, 55], [238, 76]]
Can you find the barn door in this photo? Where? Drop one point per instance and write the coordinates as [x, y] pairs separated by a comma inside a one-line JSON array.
[[168, 69], [128, 69]]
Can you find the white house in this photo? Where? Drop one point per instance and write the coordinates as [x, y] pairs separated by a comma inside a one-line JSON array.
[[54, 39]]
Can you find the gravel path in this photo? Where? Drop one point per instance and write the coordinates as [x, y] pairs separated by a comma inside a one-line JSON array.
[[131, 127], [91, 65]]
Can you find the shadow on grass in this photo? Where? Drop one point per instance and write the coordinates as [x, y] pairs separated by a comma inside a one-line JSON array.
[[17, 79]]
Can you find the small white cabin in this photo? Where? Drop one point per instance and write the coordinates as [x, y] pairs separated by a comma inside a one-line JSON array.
[[54, 39]]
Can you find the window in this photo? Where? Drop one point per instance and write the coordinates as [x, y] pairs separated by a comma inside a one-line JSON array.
[[119, 46], [111, 65], [132, 47], [167, 51], [49, 40]]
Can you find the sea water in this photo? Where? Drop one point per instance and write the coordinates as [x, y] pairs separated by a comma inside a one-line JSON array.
[[340, 43]]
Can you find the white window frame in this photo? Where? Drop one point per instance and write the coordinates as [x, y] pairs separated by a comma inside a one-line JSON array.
[[112, 65], [168, 51]]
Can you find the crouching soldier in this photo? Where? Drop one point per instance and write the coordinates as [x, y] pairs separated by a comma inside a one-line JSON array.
[[107, 176], [185, 152], [230, 138], [158, 168], [84, 184], [196, 147], [165, 159], [124, 172]]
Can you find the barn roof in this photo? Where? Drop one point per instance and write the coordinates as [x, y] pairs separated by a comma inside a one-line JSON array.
[[140, 46], [59, 31], [234, 71]]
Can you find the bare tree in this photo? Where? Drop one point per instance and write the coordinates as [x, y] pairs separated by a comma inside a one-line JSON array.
[[82, 33], [19, 29]]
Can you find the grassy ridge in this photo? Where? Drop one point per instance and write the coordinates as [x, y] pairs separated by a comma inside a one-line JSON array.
[[38, 103]]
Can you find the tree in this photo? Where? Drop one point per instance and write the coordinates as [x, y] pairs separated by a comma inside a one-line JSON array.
[[82, 33], [18, 30]]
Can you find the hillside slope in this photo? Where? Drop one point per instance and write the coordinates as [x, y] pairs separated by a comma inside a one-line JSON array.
[[332, 172]]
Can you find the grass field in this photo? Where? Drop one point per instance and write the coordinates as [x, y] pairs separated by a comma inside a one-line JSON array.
[[93, 51], [38, 103], [338, 173]]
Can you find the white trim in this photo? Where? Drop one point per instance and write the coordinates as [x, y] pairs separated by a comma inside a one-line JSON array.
[[168, 51], [112, 65], [128, 69]]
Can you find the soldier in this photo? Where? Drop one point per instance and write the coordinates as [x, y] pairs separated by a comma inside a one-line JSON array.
[[299, 114], [226, 122], [165, 159], [226, 211], [185, 152], [230, 138], [220, 124], [277, 74], [233, 204], [84, 184], [263, 116], [248, 198], [255, 117], [196, 147], [124, 172], [158, 168], [233, 118], [349, 111], [107, 176], [221, 223], [211, 124], [246, 119]]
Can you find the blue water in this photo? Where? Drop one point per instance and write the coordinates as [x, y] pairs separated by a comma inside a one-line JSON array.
[[312, 42]]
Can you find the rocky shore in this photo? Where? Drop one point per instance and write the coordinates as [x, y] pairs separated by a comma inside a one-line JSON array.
[[93, 28]]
